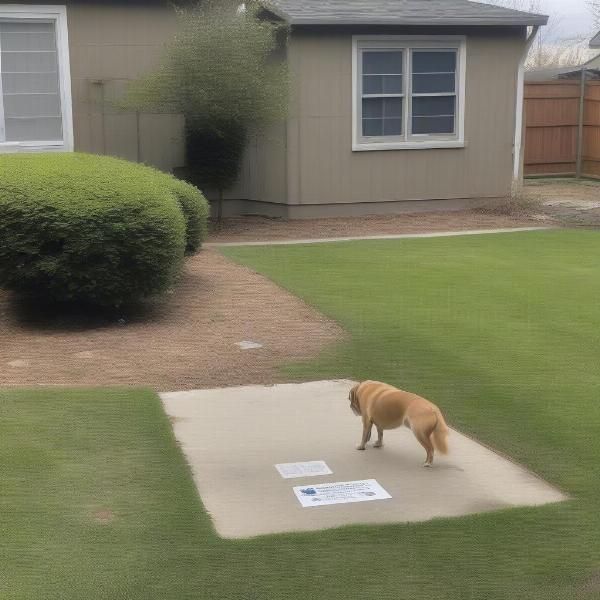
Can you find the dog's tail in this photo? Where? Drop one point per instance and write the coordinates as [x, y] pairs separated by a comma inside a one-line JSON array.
[[439, 435]]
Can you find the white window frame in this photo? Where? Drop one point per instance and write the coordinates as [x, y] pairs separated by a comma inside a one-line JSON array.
[[58, 15], [408, 43]]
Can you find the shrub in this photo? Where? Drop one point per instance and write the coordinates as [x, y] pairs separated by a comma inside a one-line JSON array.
[[77, 227], [193, 205]]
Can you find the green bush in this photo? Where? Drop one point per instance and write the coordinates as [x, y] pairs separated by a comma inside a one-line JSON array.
[[77, 227], [194, 207]]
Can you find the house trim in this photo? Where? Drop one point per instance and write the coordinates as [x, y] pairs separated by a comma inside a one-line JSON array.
[[57, 14], [409, 42]]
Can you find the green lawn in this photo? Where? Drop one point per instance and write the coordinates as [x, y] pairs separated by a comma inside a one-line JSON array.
[[501, 331]]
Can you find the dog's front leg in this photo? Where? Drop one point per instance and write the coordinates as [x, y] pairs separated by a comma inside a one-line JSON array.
[[379, 442], [366, 436]]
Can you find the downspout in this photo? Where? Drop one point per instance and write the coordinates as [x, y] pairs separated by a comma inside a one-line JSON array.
[[519, 112]]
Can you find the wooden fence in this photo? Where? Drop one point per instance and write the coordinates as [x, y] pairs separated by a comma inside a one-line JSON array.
[[562, 128]]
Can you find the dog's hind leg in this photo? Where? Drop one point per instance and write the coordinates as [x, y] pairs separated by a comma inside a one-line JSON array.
[[366, 436], [423, 428], [379, 441]]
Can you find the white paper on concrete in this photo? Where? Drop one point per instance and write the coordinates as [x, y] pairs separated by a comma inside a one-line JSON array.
[[311, 468], [341, 492]]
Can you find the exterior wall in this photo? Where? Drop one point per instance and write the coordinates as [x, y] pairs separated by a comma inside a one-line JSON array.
[[110, 44], [323, 169]]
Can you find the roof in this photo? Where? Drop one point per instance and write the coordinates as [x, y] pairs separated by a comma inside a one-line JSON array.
[[399, 12], [595, 41], [546, 74]]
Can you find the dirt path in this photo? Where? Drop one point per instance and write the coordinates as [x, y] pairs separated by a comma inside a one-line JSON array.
[[247, 229], [186, 341]]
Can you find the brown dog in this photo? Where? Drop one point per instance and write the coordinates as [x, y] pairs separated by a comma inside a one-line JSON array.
[[387, 407]]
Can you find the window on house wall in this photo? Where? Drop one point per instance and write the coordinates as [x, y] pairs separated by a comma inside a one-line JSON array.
[[35, 104], [409, 93]]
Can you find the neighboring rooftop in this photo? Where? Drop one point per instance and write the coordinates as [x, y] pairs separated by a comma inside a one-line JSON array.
[[572, 72], [399, 12], [595, 41]]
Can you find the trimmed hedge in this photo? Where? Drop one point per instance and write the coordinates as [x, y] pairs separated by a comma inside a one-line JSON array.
[[195, 211], [193, 204], [78, 227]]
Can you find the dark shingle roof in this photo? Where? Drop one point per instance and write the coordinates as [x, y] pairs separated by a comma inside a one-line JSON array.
[[595, 41], [399, 12]]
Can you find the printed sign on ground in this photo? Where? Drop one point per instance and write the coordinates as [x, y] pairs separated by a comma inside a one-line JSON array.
[[303, 469], [341, 492]]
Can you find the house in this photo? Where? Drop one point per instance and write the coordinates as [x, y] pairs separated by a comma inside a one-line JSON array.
[[397, 105]]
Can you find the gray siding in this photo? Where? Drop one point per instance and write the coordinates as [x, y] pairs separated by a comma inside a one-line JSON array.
[[322, 168], [111, 44]]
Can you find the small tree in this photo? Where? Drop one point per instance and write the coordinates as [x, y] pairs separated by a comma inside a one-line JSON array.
[[223, 73]]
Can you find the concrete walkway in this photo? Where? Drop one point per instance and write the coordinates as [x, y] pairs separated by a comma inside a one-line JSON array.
[[233, 437], [398, 236]]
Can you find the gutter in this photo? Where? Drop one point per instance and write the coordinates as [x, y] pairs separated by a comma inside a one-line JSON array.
[[518, 143]]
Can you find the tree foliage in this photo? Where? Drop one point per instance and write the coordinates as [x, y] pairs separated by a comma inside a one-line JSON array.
[[226, 73]]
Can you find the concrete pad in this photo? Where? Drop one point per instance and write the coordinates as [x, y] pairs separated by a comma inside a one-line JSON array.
[[233, 437]]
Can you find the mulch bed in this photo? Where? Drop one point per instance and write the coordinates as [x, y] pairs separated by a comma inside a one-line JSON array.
[[186, 340], [248, 229]]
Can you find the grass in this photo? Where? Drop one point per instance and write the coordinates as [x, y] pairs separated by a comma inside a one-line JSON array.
[[501, 331]]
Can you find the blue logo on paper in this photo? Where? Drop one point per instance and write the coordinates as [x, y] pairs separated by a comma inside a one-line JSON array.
[[309, 491]]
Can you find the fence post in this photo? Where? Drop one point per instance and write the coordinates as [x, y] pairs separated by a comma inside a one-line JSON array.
[[580, 129]]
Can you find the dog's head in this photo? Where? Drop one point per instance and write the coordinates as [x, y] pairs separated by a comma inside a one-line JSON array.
[[353, 397]]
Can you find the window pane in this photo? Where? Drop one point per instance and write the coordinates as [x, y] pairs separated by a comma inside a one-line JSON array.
[[422, 125], [392, 127], [434, 62], [372, 108], [28, 40], [382, 84], [34, 130], [392, 107], [24, 83], [434, 84], [30, 84], [382, 116], [433, 106], [28, 62], [21, 26], [372, 127], [382, 63], [31, 105]]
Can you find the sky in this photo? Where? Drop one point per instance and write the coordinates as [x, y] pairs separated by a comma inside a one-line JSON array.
[[571, 18], [568, 18]]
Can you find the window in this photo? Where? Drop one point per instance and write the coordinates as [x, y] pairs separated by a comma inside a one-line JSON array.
[[35, 103], [409, 92]]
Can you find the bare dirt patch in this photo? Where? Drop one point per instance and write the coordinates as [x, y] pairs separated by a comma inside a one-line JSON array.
[[591, 586], [184, 341], [569, 201], [249, 229], [104, 516]]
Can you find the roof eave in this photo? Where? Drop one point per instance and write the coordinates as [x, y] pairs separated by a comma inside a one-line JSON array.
[[538, 21]]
